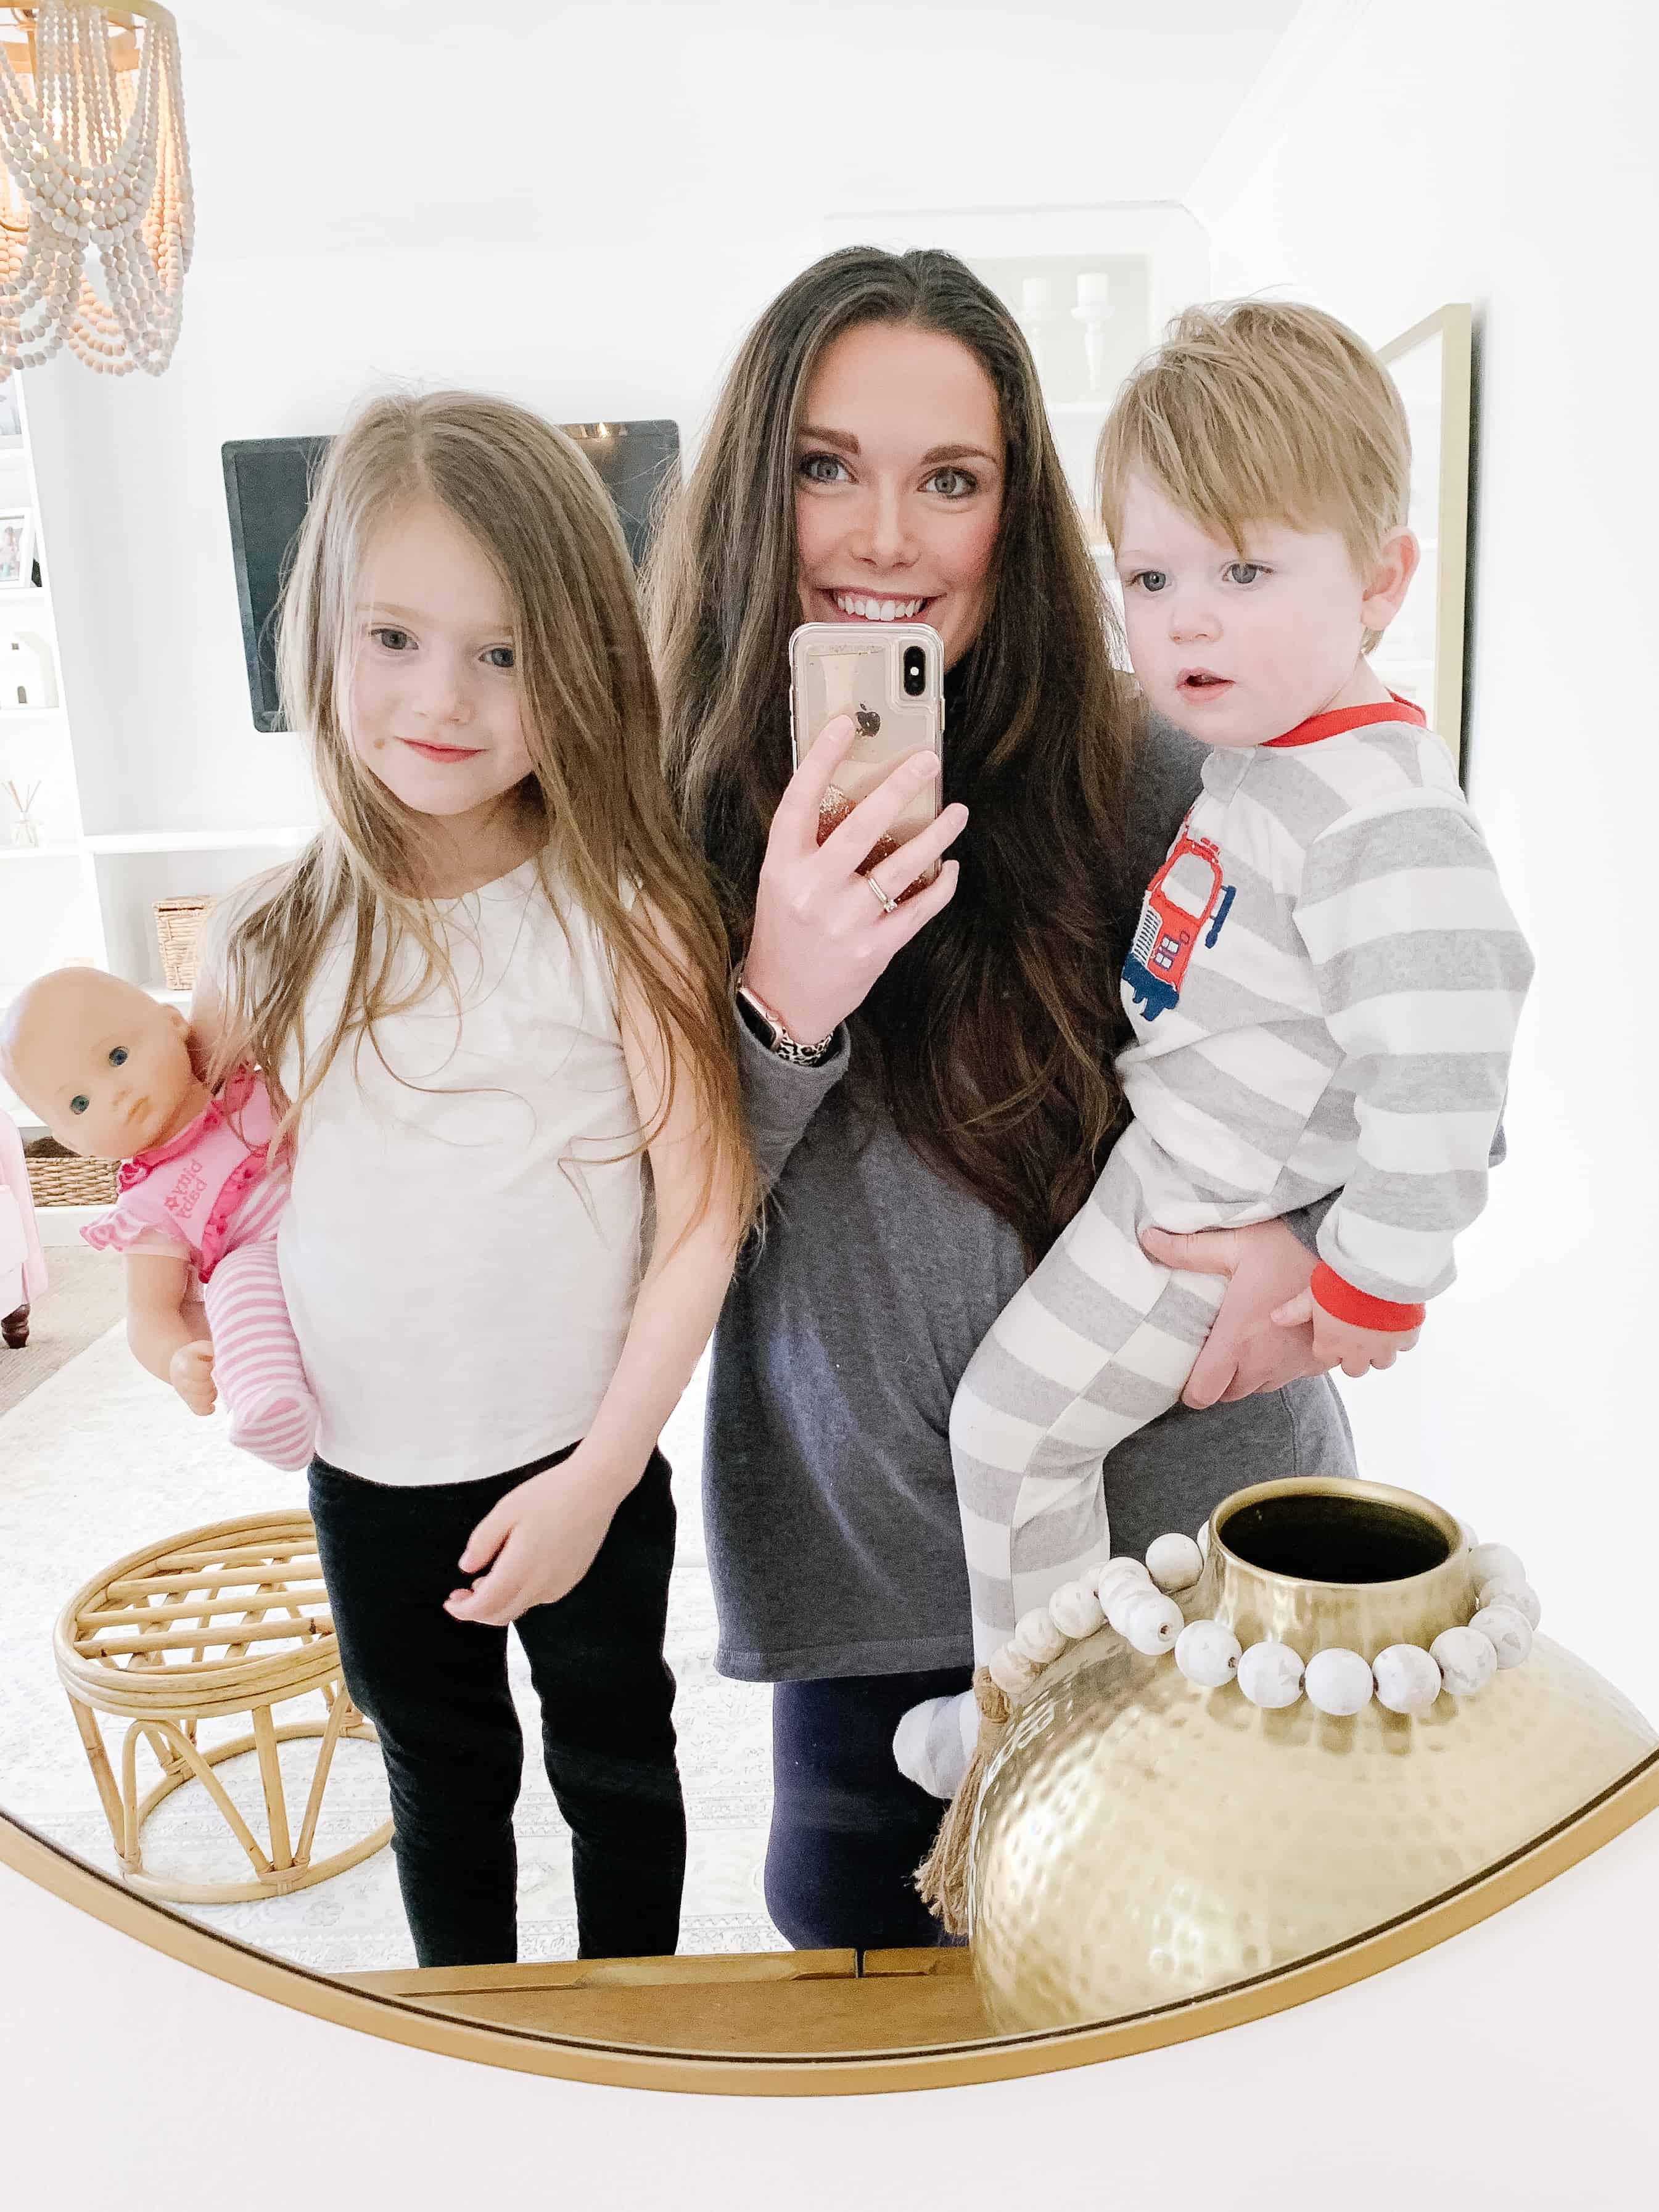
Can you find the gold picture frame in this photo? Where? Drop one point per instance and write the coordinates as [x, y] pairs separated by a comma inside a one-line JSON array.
[[1422, 654]]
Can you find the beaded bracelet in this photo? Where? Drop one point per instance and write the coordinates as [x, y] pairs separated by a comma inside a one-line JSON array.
[[1137, 1599]]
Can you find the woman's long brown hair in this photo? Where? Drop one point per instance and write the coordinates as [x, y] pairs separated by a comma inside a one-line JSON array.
[[595, 792], [990, 1038]]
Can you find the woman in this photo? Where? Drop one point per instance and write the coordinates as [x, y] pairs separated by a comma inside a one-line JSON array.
[[929, 1083]]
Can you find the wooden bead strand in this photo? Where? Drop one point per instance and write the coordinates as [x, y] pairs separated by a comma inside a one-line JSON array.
[[1139, 1599]]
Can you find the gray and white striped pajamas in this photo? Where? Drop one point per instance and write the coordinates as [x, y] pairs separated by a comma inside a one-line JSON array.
[[1324, 988]]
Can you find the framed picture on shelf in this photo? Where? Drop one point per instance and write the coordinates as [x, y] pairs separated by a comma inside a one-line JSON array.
[[1421, 654], [16, 548], [11, 420]]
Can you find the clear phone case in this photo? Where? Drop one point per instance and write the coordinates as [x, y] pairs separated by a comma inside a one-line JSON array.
[[858, 669]]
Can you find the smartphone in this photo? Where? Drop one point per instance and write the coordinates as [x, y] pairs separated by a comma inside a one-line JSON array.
[[890, 677]]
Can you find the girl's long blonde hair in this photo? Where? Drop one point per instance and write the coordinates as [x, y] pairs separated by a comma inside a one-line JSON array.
[[589, 714]]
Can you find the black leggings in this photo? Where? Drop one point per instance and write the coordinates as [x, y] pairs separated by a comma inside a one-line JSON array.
[[848, 1830], [436, 1690]]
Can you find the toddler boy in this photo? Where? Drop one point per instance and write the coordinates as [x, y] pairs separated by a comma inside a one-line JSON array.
[[1326, 978]]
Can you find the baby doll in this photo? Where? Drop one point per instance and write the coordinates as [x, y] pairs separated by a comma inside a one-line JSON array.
[[109, 1071]]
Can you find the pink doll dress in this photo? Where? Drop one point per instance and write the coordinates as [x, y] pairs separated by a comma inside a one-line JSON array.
[[211, 1195]]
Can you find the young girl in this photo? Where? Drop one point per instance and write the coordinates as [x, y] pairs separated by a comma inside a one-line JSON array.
[[491, 986]]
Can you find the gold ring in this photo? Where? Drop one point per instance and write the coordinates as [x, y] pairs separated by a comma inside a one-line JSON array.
[[888, 905]]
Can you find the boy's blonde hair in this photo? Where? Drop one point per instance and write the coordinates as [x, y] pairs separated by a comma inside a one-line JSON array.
[[595, 795], [1260, 411]]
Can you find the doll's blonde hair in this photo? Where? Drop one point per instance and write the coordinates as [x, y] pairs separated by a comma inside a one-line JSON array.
[[589, 716], [1260, 411]]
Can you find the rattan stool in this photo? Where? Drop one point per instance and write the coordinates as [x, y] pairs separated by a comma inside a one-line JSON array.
[[229, 1618]]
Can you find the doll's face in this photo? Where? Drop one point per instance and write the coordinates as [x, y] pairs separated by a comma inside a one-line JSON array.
[[105, 1066]]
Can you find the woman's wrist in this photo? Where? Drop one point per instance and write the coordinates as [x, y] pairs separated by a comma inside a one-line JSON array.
[[770, 1026]]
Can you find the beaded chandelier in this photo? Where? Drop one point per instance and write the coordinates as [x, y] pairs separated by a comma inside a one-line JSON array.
[[92, 135]]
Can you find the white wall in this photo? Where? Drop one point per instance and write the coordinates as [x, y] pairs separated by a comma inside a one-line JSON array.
[[583, 207], [1504, 153]]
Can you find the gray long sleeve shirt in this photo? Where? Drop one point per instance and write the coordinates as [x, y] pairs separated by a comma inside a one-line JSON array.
[[834, 1539]]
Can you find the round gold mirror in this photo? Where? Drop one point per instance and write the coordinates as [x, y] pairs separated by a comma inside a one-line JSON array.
[[159, 1772], [797, 2025], [1469, 1808]]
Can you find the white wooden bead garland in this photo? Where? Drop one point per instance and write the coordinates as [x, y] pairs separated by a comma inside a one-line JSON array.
[[1138, 1599]]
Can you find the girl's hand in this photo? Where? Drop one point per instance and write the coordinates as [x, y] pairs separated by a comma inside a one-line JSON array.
[[538, 1543], [189, 1370], [1339, 1343], [821, 938], [1246, 1351]]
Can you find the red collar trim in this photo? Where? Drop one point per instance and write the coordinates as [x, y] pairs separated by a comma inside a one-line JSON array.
[[1350, 718]]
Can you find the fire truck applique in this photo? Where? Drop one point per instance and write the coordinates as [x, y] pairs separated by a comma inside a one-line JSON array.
[[1185, 894]]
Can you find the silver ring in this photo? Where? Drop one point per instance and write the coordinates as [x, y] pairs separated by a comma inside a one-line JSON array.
[[888, 905]]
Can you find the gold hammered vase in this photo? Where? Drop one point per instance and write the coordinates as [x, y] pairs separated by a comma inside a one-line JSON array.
[[1139, 1840]]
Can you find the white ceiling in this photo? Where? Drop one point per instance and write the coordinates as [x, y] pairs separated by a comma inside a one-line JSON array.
[[331, 126]]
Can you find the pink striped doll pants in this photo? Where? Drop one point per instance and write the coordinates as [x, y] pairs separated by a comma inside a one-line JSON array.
[[256, 1368], [208, 1195]]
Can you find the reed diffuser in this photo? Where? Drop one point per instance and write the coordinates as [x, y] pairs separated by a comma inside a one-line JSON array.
[[26, 830]]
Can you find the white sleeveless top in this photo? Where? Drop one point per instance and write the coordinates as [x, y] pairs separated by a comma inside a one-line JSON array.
[[460, 1261]]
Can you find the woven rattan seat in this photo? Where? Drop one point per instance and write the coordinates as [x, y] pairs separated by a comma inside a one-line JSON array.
[[232, 1619]]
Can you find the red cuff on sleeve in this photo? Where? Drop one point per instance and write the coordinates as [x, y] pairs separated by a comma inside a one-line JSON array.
[[1360, 1310]]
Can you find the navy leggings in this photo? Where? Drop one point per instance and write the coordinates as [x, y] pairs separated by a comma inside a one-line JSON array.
[[848, 1830]]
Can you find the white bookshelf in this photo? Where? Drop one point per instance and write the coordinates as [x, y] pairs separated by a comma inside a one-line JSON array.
[[77, 897], [49, 905]]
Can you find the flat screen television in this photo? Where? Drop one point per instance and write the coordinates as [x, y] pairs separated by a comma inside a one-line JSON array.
[[268, 487]]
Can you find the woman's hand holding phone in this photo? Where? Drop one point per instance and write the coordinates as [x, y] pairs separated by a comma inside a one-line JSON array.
[[822, 935]]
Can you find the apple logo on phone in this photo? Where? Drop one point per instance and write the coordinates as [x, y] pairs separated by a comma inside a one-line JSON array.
[[869, 721]]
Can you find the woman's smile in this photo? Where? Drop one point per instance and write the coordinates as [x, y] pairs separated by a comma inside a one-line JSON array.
[[857, 602], [875, 606]]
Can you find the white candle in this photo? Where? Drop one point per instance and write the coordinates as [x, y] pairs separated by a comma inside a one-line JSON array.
[[1036, 295], [1094, 289]]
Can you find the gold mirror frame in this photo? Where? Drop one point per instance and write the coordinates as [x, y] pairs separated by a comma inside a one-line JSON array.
[[858, 2073]]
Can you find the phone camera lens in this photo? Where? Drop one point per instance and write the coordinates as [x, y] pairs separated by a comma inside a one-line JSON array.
[[916, 672]]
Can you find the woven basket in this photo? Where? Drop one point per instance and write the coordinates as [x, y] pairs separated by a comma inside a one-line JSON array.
[[177, 921], [58, 1177]]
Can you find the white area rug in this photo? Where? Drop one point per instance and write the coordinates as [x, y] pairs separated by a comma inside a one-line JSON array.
[[99, 1460]]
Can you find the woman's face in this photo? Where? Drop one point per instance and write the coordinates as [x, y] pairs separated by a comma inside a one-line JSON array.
[[898, 483]]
